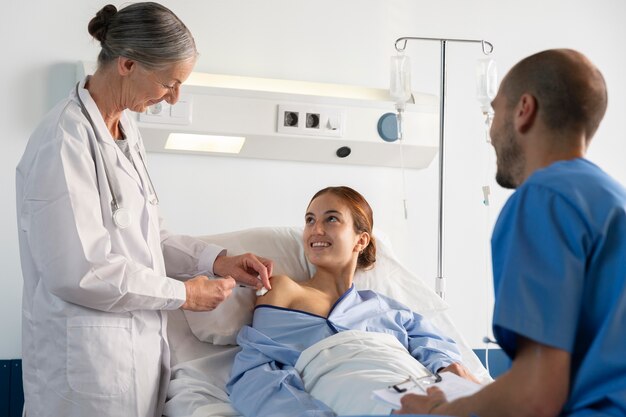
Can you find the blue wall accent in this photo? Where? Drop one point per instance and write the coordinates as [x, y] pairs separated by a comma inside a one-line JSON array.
[[5, 390], [11, 389], [498, 361]]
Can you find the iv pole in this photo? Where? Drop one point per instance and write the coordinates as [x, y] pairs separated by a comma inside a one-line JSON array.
[[487, 49]]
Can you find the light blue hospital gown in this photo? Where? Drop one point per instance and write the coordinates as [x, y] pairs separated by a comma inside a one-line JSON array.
[[264, 381], [559, 264]]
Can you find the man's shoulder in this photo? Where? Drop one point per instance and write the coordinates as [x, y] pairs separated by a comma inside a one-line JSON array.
[[578, 180]]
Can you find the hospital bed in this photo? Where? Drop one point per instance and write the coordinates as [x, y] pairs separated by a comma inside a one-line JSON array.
[[203, 344]]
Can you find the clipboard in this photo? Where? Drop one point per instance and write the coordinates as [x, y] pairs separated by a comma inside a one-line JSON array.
[[451, 384]]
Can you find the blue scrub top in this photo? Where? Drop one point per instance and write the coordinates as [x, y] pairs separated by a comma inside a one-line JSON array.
[[559, 265], [264, 381]]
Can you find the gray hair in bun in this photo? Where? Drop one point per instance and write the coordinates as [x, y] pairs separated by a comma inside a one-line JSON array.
[[147, 32]]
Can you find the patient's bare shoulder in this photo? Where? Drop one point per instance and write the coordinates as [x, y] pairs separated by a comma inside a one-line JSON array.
[[284, 290]]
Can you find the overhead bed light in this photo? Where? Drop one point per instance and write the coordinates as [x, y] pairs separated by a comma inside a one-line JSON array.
[[204, 143]]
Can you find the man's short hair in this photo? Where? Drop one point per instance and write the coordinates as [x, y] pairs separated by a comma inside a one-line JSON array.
[[570, 91]]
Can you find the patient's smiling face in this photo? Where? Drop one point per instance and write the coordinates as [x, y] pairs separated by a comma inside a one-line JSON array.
[[330, 240]]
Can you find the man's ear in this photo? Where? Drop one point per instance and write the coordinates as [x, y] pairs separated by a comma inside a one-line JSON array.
[[525, 113], [125, 66]]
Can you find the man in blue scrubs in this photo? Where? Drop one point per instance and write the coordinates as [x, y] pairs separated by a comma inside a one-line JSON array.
[[559, 252]]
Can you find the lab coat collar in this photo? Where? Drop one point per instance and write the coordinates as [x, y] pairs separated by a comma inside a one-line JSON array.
[[105, 135]]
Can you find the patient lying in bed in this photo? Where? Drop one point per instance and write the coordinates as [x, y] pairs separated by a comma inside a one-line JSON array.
[[320, 346]]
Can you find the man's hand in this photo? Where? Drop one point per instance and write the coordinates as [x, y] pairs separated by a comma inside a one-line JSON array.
[[204, 294], [245, 269], [422, 404]]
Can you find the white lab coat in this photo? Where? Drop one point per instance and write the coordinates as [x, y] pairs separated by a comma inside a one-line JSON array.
[[94, 333]]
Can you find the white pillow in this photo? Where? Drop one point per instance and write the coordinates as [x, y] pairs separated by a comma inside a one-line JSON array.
[[284, 246]]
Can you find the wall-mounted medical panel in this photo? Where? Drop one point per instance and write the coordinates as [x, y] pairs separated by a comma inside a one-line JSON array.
[[289, 120]]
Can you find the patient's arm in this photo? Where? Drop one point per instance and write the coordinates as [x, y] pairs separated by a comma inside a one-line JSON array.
[[282, 293], [427, 343], [291, 294]]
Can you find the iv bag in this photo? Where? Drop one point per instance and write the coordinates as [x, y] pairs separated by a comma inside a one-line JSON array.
[[486, 83], [400, 80]]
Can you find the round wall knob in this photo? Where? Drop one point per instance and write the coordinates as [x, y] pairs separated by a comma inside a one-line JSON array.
[[388, 127]]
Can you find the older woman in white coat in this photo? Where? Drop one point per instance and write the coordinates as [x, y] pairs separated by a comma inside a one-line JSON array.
[[98, 266]]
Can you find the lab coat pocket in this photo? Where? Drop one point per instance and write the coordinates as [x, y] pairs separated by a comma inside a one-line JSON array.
[[99, 355]]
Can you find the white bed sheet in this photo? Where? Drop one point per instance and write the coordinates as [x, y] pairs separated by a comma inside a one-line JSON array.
[[199, 373], [370, 361]]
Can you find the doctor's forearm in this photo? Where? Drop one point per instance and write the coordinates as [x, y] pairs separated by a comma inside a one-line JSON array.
[[116, 286], [502, 398], [186, 256], [537, 385]]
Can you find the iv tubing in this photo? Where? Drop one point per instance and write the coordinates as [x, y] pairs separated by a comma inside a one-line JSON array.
[[401, 141]]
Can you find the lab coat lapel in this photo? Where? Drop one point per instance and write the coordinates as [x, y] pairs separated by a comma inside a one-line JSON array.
[[139, 167], [107, 140], [153, 230]]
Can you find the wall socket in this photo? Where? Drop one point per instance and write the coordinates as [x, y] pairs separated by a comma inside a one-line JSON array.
[[304, 119], [162, 112]]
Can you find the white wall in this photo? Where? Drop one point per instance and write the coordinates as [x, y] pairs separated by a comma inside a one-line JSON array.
[[347, 41]]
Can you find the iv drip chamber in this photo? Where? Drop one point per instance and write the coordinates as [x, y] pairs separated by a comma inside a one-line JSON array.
[[486, 83], [400, 80]]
